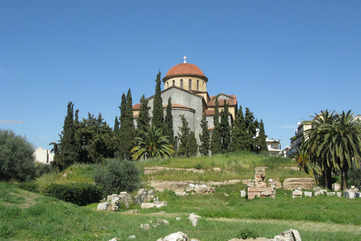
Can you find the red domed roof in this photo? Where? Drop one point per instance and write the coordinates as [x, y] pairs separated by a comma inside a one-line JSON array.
[[185, 69]]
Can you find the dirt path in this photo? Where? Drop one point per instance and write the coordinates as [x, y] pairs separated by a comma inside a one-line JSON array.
[[304, 225]]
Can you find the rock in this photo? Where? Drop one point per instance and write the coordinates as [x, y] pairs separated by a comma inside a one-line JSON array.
[[243, 193], [194, 219], [336, 187], [226, 194], [164, 221], [145, 226], [199, 188], [178, 218], [308, 194], [114, 239], [178, 236], [296, 193], [304, 183], [217, 169], [251, 239], [156, 204], [144, 195], [339, 194], [331, 194], [350, 194], [102, 206], [132, 237], [115, 201], [289, 235]]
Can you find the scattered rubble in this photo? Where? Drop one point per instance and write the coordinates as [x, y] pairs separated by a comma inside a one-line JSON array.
[[199, 189], [258, 187], [156, 204], [115, 202], [178, 236], [289, 235]]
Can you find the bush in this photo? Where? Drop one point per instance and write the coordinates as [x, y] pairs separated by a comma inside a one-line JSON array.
[[354, 177], [41, 169], [77, 193], [16, 157], [29, 186], [117, 176]]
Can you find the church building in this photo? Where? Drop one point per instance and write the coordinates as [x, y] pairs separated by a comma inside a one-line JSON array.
[[186, 84]]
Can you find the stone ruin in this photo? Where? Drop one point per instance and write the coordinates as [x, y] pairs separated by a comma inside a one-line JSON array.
[[258, 186]]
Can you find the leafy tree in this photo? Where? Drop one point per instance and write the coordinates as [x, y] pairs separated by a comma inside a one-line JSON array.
[[16, 157], [261, 144], [239, 140], [204, 137], [152, 143], [67, 149], [216, 141], [225, 129], [168, 131], [117, 176], [157, 119], [143, 122]]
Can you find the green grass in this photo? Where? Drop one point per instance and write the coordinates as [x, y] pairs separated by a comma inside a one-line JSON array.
[[50, 219], [238, 165], [77, 173]]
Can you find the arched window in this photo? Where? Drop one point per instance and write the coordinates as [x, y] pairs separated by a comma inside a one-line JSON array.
[[181, 84], [197, 84], [173, 82]]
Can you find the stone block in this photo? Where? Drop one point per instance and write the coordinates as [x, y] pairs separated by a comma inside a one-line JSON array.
[[330, 194], [339, 194], [304, 183], [297, 193], [336, 187], [243, 193], [358, 194], [308, 194]]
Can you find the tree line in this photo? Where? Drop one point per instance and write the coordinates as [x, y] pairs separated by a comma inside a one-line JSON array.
[[91, 140]]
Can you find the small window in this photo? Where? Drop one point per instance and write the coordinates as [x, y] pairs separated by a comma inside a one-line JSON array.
[[181, 84], [173, 82], [190, 84], [197, 84]]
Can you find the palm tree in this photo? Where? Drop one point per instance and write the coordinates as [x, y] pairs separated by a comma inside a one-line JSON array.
[[152, 143], [315, 151], [333, 144]]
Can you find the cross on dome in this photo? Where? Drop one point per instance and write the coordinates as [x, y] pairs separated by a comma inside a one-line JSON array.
[[185, 59]]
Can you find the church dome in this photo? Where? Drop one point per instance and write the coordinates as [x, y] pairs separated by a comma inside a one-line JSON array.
[[185, 69]]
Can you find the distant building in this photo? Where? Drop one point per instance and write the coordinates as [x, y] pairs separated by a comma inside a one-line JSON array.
[[186, 84], [43, 156], [273, 146]]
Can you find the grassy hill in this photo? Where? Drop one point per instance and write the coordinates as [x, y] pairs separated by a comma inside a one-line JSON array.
[[31, 216]]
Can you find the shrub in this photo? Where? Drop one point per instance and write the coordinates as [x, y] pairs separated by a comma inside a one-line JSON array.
[[29, 186], [77, 193], [354, 177], [16, 157], [41, 169], [117, 176]]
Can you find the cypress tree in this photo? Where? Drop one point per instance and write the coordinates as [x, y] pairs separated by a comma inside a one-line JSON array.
[[123, 110], [239, 138], [225, 129], [251, 128], [143, 118], [129, 115], [67, 154], [261, 138], [216, 142], [169, 122], [157, 119], [204, 137], [116, 126], [183, 136], [192, 146]]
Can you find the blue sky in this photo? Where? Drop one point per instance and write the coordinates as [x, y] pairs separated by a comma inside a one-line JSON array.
[[285, 60]]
